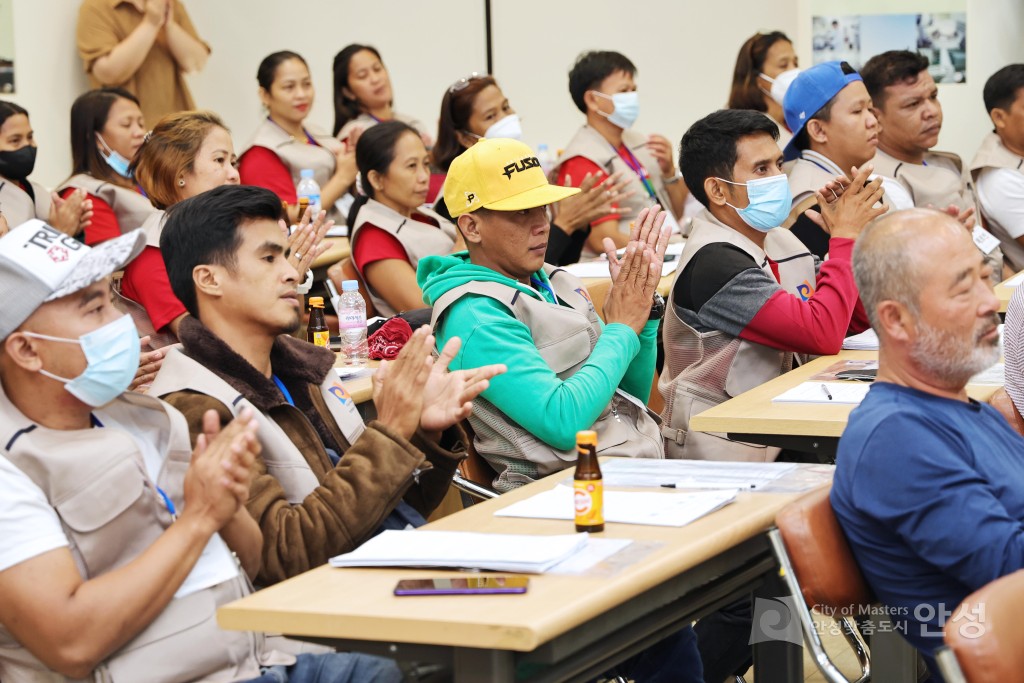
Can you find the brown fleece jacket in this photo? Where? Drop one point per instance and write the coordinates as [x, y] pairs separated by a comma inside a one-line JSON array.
[[354, 497]]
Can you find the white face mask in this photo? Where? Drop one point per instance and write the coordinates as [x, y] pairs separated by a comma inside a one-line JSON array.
[[780, 84], [508, 127]]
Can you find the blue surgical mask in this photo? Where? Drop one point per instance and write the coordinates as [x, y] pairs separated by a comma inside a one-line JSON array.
[[112, 353], [768, 202], [627, 108], [114, 159]]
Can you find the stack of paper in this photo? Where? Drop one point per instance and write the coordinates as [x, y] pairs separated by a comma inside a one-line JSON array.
[[626, 507], [463, 549], [865, 341], [692, 474], [825, 392], [995, 376], [598, 268]]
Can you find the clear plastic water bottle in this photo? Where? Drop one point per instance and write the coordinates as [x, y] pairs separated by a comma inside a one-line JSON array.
[[310, 189], [547, 162], [352, 324]]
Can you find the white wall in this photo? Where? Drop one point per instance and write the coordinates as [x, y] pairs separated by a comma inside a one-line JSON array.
[[684, 52]]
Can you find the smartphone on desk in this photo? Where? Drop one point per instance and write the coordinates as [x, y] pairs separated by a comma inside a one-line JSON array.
[[471, 585], [858, 375]]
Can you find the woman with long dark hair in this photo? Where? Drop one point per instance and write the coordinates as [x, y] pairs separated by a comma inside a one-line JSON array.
[[765, 66]]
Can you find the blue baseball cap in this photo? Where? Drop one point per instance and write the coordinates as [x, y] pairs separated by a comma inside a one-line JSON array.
[[811, 91]]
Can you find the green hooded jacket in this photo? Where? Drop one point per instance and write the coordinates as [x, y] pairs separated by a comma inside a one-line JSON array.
[[530, 393]]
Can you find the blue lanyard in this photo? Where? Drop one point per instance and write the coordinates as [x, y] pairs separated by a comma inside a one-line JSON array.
[[163, 494], [638, 168], [284, 390], [546, 286], [826, 170]]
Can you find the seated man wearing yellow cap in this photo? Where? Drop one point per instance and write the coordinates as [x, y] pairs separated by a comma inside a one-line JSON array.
[[567, 371]]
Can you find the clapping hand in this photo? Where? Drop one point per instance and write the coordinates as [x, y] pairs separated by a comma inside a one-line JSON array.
[[448, 396], [307, 242]]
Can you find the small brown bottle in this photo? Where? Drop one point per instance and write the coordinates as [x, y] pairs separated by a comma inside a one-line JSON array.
[[588, 485], [317, 331]]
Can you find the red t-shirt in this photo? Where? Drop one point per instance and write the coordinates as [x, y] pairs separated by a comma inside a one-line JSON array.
[[261, 167], [104, 224], [377, 244], [577, 169], [145, 282]]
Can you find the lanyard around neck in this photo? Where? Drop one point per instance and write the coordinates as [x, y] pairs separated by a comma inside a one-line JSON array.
[[638, 168]]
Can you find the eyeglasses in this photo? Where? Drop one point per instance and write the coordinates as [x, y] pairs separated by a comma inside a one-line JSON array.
[[463, 82]]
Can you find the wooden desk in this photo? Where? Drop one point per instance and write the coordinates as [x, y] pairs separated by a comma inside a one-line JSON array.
[[1004, 293], [809, 427], [339, 249], [360, 388], [573, 627]]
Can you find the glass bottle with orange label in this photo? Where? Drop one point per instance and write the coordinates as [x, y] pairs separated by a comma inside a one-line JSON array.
[[317, 331], [588, 485]]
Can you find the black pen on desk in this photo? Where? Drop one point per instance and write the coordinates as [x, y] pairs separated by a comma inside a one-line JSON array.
[[709, 487], [827, 392]]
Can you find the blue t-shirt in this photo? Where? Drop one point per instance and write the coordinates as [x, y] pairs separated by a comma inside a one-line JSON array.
[[930, 493]]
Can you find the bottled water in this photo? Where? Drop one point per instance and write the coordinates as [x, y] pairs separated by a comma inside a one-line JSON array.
[[352, 324], [547, 162], [310, 189]]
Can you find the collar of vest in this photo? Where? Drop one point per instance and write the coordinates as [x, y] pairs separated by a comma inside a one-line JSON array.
[[994, 154], [292, 359], [153, 227], [590, 144], [270, 135], [707, 229], [386, 218]]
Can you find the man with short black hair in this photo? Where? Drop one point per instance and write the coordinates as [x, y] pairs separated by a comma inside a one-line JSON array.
[[748, 296], [834, 133], [905, 99], [325, 481], [998, 167], [603, 87], [952, 519]]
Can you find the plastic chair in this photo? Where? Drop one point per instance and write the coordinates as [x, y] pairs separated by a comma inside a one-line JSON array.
[[817, 563], [984, 639], [474, 475], [1002, 402]]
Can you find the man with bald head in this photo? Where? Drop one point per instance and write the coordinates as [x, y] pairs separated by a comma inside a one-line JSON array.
[[928, 481]]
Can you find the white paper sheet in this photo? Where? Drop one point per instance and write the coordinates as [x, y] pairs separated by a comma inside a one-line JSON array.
[[814, 392], [703, 474], [463, 549], [599, 268], [865, 341], [656, 508], [994, 376], [1015, 280]]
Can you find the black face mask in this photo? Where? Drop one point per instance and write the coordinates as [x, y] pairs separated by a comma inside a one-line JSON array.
[[17, 165]]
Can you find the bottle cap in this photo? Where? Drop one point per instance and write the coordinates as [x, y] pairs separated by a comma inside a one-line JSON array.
[[306, 173], [350, 286], [586, 437], [316, 302]]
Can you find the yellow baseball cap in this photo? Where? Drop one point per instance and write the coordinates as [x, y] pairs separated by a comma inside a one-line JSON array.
[[499, 174]]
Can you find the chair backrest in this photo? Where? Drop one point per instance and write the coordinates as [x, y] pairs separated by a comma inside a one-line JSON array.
[[822, 561], [1002, 402], [985, 632], [474, 468], [345, 269]]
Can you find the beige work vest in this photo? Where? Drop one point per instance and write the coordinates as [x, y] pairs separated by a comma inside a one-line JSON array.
[[364, 121], [284, 461], [299, 154], [590, 144], [805, 178], [416, 237], [152, 226], [130, 207], [993, 154], [703, 369], [565, 337], [96, 481], [19, 207], [939, 181]]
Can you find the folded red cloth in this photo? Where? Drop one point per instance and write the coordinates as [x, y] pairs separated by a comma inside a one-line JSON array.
[[385, 343]]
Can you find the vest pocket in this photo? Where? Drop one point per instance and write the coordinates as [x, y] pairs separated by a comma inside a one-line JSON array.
[[708, 445], [184, 643], [98, 503], [565, 352]]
